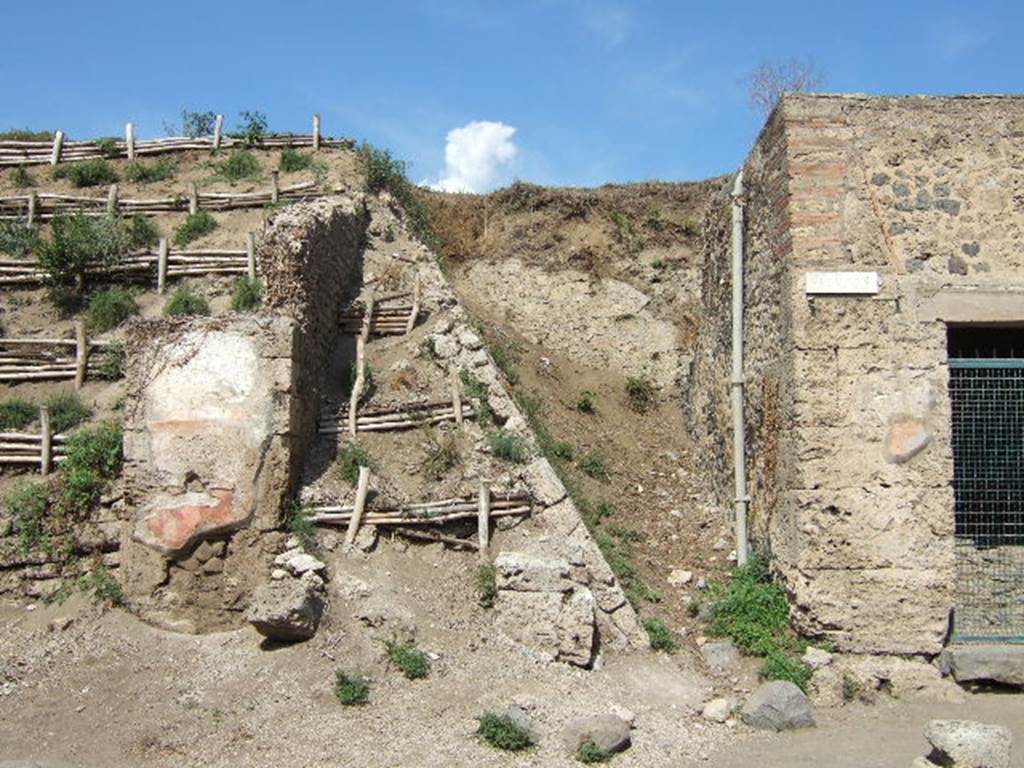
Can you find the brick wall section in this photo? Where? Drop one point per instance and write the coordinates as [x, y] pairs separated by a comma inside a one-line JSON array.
[[310, 259], [929, 192]]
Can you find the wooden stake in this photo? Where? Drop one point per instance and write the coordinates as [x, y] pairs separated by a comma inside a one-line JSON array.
[[112, 200], [218, 129], [33, 201], [129, 140], [193, 200], [457, 397], [161, 266], [58, 145], [357, 513], [316, 133], [45, 453], [483, 520], [357, 386], [81, 353], [250, 255], [415, 306], [367, 319], [275, 190]]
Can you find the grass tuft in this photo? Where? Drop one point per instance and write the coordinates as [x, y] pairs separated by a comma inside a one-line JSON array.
[[26, 505], [150, 173], [241, 164], [87, 173], [300, 525], [141, 232], [589, 752], [586, 402], [412, 662], [293, 161], [248, 294], [503, 732], [641, 394], [18, 239], [351, 690], [350, 459], [508, 447], [16, 413], [67, 411], [22, 178], [660, 636], [779, 665], [195, 226], [441, 454], [103, 586], [594, 464], [486, 585], [186, 302], [109, 308]]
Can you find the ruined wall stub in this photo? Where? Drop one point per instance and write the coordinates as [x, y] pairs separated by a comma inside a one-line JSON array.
[[928, 193]]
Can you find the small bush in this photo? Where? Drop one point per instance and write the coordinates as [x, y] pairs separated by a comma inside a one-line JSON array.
[[109, 308], [589, 752], [509, 447], [195, 226], [351, 690], [383, 171], [660, 636], [350, 459], [185, 302], [640, 394], [302, 527], [503, 732], [248, 294], [141, 232], [97, 448], [111, 364], [18, 239], [293, 161], [252, 128], [149, 173], [486, 585], [240, 164], [27, 505], [88, 173], [67, 411], [586, 402], [412, 662], [77, 243], [480, 392], [197, 124], [102, 585], [22, 178], [16, 414], [26, 135], [851, 687], [594, 464], [752, 610], [441, 454], [781, 666]]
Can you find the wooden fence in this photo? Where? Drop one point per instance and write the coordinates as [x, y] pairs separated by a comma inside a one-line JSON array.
[[483, 506], [60, 149], [24, 360], [158, 265], [43, 449], [43, 206], [402, 417]]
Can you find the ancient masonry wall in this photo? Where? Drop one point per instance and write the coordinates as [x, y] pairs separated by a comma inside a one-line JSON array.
[[220, 414], [928, 192]]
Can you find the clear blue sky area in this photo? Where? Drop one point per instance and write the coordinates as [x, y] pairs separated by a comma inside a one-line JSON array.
[[596, 91]]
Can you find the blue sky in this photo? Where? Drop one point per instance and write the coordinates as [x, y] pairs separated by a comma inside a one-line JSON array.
[[595, 90]]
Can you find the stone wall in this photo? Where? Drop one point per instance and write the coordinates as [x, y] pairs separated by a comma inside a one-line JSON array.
[[929, 193]]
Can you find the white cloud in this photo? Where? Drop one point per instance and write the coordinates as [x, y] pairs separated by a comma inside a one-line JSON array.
[[476, 156]]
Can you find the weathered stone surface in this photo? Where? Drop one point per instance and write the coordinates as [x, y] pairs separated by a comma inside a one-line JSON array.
[[382, 612], [908, 436], [718, 710], [680, 578], [557, 626], [816, 658], [286, 610], [298, 562], [524, 573], [721, 656], [778, 706], [992, 663], [609, 733], [967, 744]]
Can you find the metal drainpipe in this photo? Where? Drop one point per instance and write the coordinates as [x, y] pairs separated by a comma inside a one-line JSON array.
[[739, 451]]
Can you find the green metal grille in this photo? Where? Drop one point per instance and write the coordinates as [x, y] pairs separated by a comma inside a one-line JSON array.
[[987, 397]]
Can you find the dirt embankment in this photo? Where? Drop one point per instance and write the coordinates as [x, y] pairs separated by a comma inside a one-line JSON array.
[[583, 291]]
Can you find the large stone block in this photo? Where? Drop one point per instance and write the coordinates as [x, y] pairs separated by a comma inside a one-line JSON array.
[[985, 663]]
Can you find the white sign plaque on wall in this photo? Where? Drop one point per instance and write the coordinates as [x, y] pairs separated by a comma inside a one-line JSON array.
[[841, 283]]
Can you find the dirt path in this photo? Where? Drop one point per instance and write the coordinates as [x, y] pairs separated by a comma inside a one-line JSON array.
[[881, 735]]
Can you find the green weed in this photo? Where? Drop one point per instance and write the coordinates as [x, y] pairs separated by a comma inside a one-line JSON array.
[[594, 464], [150, 173], [508, 447], [382, 171], [87, 173], [641, 394], [248, 294], [252, 128], [141, 232], [752, 610], [851, 687], [300, 525], [109, 308], [240, 164], [586, 402], [67, 411], [195, 226], [16, 414], [26, 135], [22, 178], [351, 690], [503, 732], [77, 243], [197, 124], [293, 161], [186, 302], [18, 239], [486, 585], [102, 585], [350, 459], [27, 505], [111, 364], [412, 662], [779, 665], [660, 636]]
